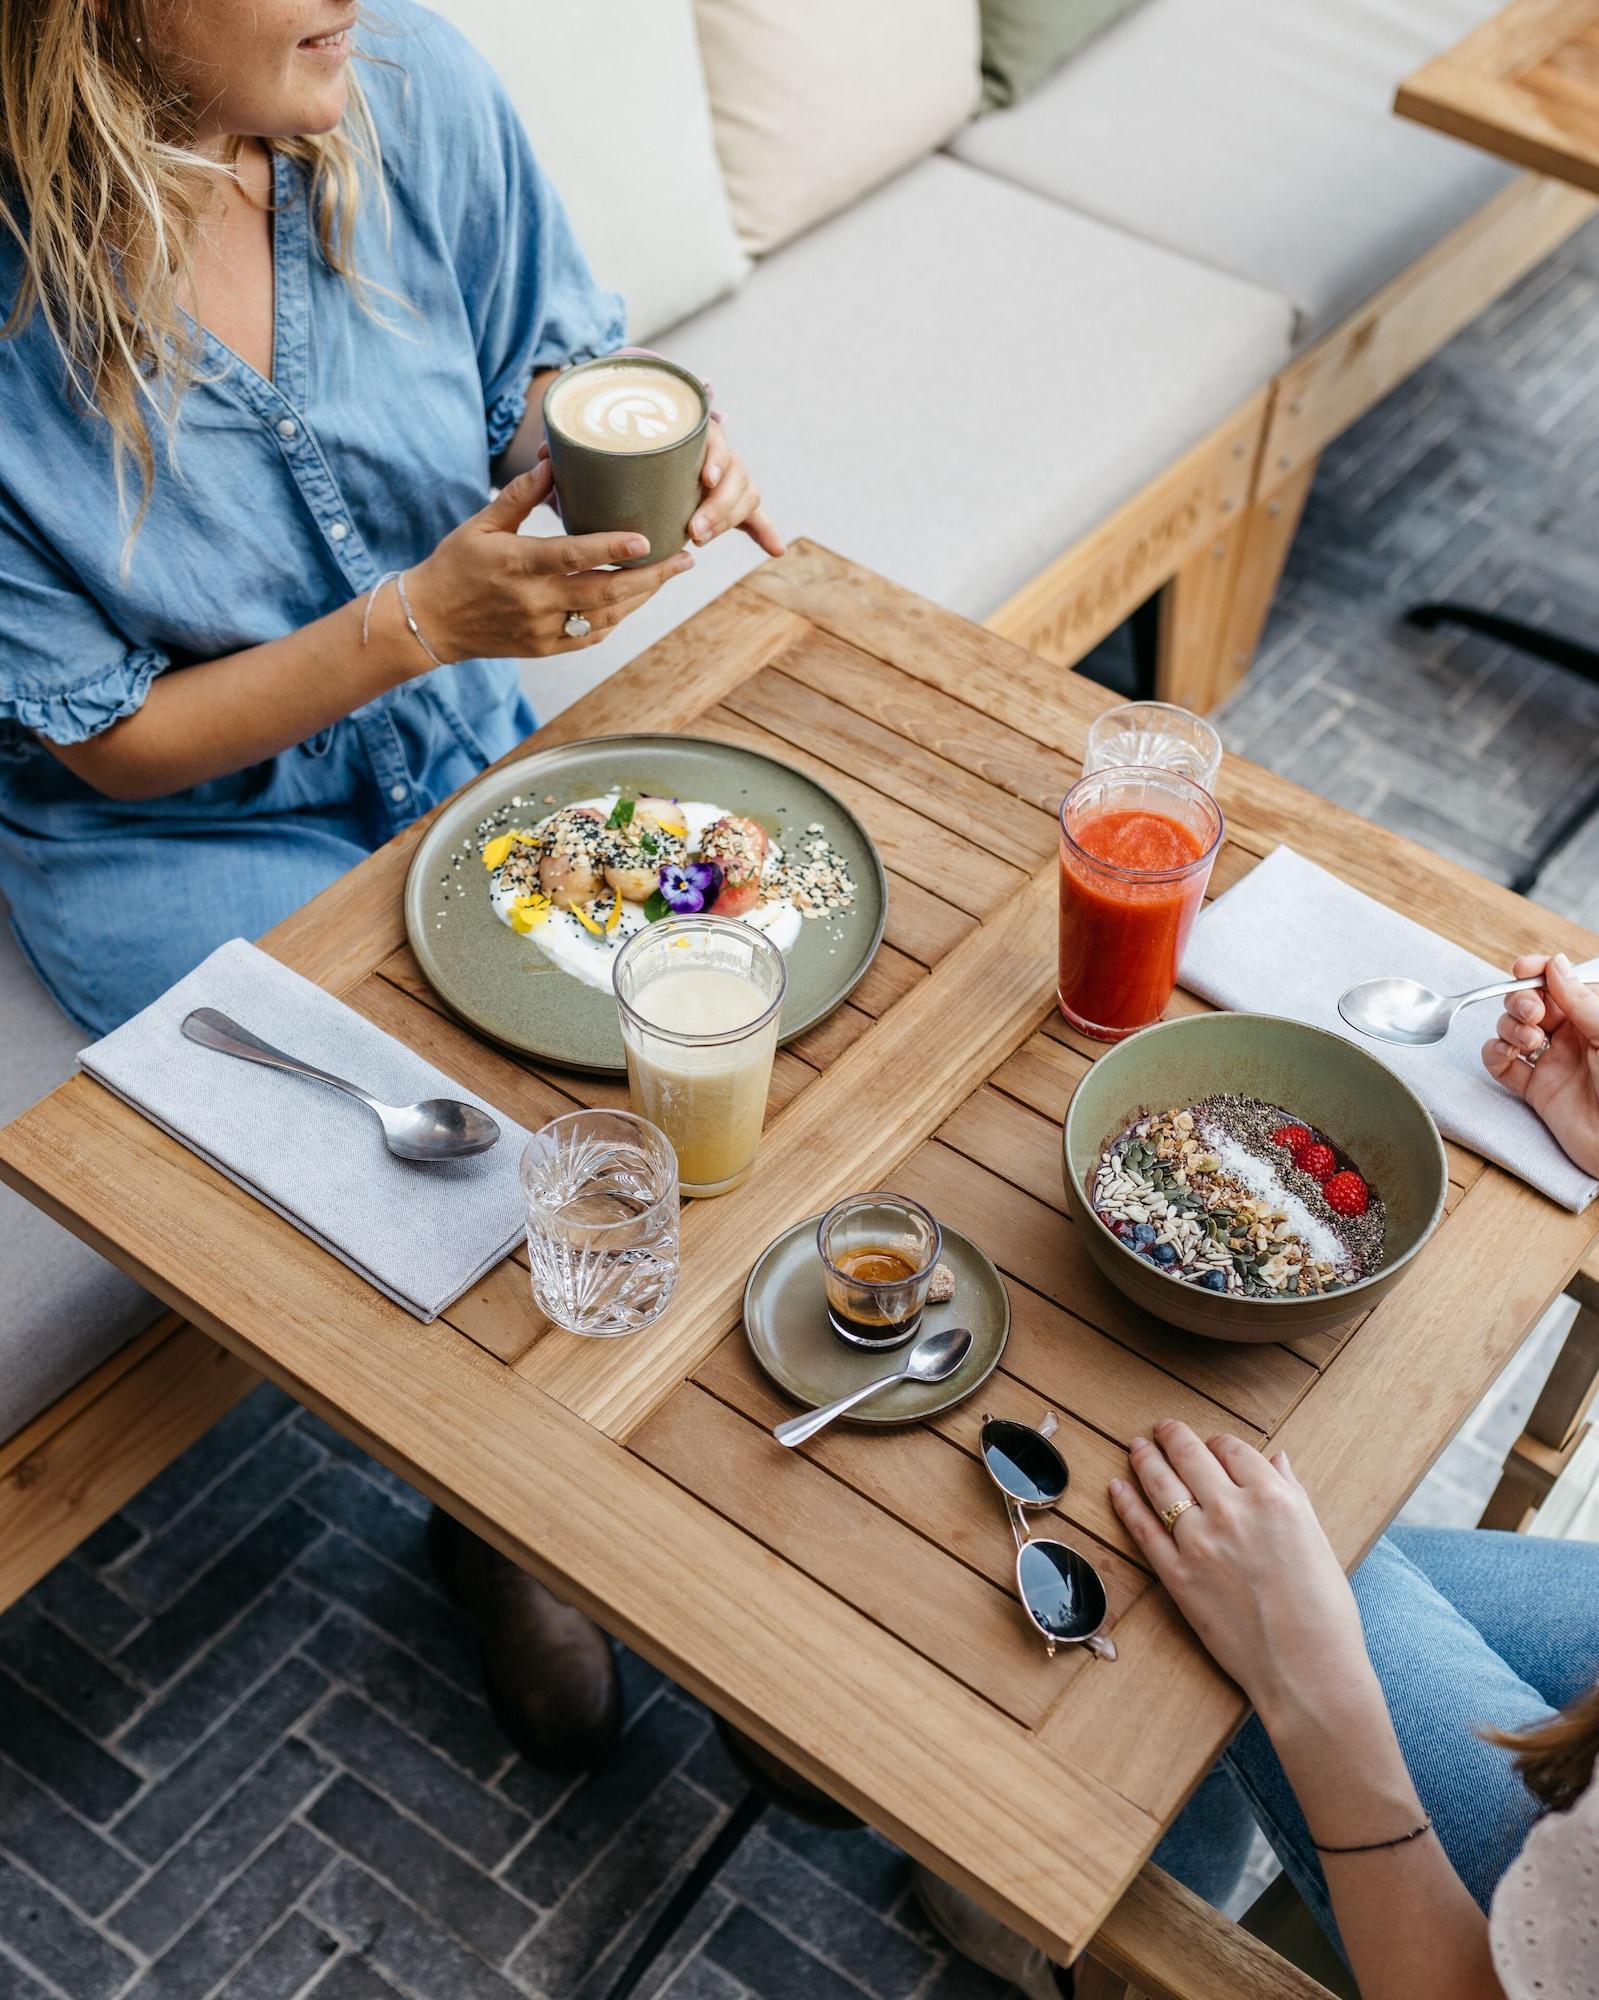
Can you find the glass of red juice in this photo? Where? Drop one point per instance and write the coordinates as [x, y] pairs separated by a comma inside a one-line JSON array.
[[1136, 849]]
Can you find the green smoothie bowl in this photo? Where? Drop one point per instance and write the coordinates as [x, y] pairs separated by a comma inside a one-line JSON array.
[[1388, 1153]]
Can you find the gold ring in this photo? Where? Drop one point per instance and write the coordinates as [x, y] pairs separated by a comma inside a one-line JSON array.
[[1169, 1514]]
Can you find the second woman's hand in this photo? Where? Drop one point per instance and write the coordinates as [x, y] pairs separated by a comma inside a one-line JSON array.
[[487, 592], [1248, 1564], [1560, 1028]]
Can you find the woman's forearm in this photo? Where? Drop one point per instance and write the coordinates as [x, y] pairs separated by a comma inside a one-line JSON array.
[[1407, 1921], [207, 721]]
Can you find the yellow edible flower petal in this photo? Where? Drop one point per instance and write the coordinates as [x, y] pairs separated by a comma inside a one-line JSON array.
[[528, 912], [586, 920], [615, 917], [498, 848], [671, 826]]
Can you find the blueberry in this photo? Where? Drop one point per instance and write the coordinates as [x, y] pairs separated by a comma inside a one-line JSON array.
[[1144, 1234], [1165, 1253], [1214, 1281]]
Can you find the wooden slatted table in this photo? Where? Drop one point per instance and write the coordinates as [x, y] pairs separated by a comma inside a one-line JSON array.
[[851, 1605], [1524, 85]]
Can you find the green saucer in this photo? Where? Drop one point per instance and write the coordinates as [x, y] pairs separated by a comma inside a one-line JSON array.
[[785, 1319]]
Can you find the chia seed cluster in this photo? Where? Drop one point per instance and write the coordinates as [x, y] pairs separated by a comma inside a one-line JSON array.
[[1205, 1194]]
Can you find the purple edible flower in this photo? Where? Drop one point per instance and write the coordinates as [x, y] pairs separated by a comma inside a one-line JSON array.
[[689, 886]]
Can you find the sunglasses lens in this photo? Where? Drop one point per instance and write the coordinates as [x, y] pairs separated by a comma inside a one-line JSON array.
[[1062, 1592], [1026, 1465]]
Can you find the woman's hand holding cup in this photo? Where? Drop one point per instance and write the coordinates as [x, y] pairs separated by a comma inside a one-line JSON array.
[[487, 592]]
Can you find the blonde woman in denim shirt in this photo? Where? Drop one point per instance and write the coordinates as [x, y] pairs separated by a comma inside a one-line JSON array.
[[272, 332]]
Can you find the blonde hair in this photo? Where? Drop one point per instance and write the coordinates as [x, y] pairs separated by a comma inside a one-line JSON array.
[[102, 190]]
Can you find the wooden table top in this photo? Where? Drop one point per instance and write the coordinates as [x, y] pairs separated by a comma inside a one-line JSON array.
[[1524, 85], [851, 1604]]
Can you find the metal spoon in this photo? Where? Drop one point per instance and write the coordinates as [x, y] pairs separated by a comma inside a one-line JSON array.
[[439, 1128], [1403, 1010], [934, 1356]]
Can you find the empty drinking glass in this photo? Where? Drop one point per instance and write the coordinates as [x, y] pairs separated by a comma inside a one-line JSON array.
[[602, 1221], [1154, 733]]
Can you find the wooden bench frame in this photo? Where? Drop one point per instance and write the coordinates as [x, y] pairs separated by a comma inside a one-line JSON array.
[[1212, 533], [1210, 537]]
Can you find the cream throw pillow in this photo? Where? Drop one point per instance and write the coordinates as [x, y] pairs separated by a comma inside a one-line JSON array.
[[815, 101], [613, 98]]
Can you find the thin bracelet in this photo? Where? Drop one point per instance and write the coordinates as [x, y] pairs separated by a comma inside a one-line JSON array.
[[410, 618], [388, 576], [1375, 1846]]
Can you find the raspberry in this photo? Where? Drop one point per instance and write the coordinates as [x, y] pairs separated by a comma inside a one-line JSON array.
[[1346, 1194], [1291, 1136], [1316, 1160]]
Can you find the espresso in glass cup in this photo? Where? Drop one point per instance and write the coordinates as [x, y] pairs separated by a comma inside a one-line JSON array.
[[878, 1252]]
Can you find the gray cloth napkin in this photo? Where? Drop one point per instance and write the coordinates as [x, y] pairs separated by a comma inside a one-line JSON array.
[[1248, 953], [421, 1232]]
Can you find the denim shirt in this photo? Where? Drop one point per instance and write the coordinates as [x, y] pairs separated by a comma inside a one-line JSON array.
[[287, 499]]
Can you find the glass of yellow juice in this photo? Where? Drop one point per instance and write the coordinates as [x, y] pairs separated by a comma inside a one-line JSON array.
[[701, 998]]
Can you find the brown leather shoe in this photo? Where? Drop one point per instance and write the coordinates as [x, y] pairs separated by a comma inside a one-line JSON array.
[[548, 1670]]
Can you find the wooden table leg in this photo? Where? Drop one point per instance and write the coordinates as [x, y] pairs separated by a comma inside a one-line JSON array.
[[1537, 1457], [1097, 1982]]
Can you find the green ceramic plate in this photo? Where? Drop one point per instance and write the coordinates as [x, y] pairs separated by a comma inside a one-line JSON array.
[[506, 987], [785, 1318]]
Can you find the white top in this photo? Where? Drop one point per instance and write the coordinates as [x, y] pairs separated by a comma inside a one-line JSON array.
[[1544, 1923]]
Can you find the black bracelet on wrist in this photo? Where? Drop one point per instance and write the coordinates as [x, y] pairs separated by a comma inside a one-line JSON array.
[[1375, 1846]]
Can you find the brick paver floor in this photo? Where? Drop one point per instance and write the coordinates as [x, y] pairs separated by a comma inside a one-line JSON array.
[[242, 1749]]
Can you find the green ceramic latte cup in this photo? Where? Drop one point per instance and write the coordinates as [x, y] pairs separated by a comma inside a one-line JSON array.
[[627, 437]]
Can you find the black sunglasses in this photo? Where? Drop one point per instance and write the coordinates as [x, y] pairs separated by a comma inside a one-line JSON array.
[[1061, 1591]]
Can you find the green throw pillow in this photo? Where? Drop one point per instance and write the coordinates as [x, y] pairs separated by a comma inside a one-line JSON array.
[[1023, 40]]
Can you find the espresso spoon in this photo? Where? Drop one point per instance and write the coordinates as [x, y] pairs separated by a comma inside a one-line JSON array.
[[1403, 1010], [934, 1357], [439, 1128]]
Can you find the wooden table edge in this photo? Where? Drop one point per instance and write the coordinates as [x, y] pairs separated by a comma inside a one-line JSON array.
[[1469, 91]]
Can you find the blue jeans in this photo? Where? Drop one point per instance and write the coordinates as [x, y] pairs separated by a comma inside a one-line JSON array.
[[1465, 1628]]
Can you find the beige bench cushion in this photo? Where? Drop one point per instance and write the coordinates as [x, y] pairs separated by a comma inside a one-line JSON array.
[[816, 101], [62, 1308], [1256, 136], [953, 382], [613, 98]]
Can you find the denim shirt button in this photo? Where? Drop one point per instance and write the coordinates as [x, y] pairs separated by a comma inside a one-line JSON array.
[[288, 428], [338, 531], [398, 793]]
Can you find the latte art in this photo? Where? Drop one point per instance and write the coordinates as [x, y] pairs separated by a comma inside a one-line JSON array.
[[626, 407]]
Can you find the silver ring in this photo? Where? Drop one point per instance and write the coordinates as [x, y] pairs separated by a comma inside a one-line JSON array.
[[576, 626], [1536, 1056]]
